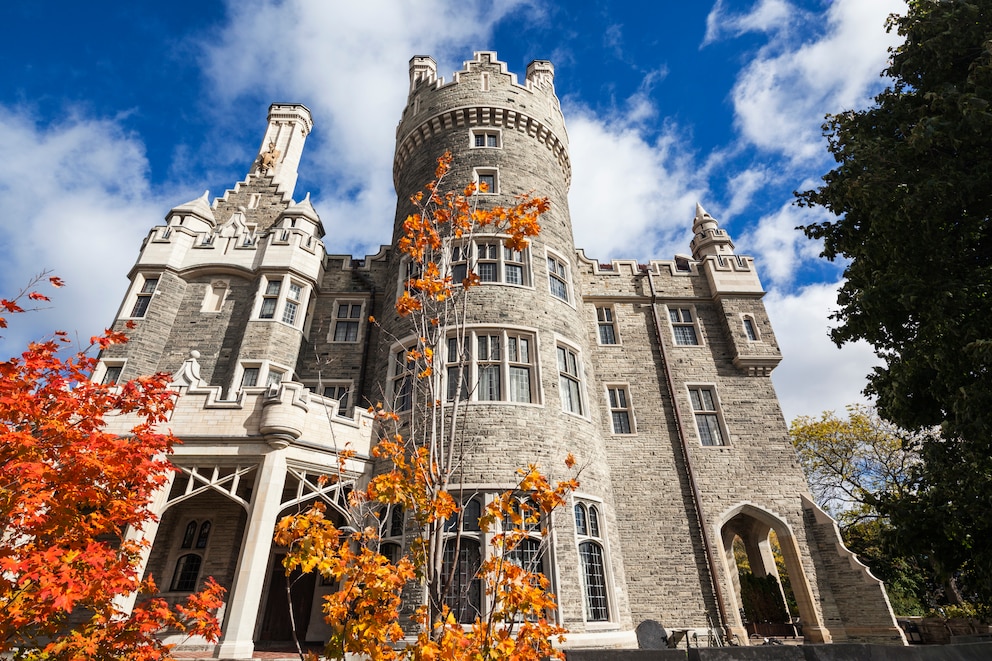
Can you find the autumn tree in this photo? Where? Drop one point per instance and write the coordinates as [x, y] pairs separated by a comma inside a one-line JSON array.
[[69, 495], [912, 192], [423, 451], [853, 465]]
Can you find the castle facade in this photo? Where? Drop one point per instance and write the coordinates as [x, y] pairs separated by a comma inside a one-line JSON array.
[[656, 376]]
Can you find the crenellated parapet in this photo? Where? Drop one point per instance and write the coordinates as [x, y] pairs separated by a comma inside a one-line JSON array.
[[486, 94]]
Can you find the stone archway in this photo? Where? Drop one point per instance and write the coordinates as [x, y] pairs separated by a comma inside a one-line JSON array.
[[753, 525]]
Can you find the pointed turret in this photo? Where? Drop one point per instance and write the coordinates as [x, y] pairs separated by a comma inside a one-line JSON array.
[[708, 238], [303, 210], [192, 213]]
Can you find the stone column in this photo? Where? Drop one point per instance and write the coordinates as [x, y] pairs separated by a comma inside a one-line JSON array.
[[157, 507], [246, 593]]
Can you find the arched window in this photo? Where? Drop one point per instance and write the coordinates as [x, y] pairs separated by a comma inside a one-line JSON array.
[[201, 540], [581, 528], [187, 571], [588, 528], [189, 535], [594, 577], [396, 521], [464, 595]]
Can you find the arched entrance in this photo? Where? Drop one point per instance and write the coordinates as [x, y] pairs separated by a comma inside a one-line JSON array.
[[752, 529]]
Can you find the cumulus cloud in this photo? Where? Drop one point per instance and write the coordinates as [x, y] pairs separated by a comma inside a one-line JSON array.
[[781, 96], [347, 63], [75, 200], [814, 375], [779, 246], [632, 196]]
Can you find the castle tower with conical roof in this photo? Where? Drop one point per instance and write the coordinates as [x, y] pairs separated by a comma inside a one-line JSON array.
[[656, 376]]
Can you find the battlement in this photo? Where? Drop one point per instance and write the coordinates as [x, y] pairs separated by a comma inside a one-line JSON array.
[[485, 94]]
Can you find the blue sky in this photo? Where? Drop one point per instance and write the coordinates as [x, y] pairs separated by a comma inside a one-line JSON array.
[[110, 117]]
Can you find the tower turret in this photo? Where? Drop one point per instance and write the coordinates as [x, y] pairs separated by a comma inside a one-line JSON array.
[[282, 146], [708, 238]]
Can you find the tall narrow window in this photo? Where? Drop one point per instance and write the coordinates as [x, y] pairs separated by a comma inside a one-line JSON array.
[[487, 262], [518, 354], [144, 297], [683, 326], [569, 381], [292, 306], [558, 278], [347, 321], [490, 358], [619, 409], [270, 299], [513, 265], [402, 381], [750, 329], [593, 565], [707, 412], [464, 596], [607, 325]]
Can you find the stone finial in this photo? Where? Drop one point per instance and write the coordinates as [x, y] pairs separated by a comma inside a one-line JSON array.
[[423, 68], [541, 73], [708, 238], [188, 374]]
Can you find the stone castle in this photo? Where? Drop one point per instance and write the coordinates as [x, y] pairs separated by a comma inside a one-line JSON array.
[[656, 376]]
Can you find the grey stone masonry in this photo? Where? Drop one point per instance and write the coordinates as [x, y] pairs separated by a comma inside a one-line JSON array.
[[655, 376]]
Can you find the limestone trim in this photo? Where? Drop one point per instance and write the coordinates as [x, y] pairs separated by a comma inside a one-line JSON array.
[[224, 482], [508, 119]]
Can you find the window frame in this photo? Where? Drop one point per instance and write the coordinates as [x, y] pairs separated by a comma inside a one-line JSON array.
[[606, 317], [347, 322], [681, 312], [402, 380], [568, 361], [342, 394], [588, 538], [193, 543], [515, 354], [488, 135], [713, 416], [489, 249], [486, 172], [141, 296], [750, 325], [618, 402], [560, 273], [263, 371], [283, 299]]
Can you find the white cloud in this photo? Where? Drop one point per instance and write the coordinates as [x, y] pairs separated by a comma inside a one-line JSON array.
[[780, 98], [347, 63], [631, 197], [814, 375], [779, 247], [766, 16], [75, 200]]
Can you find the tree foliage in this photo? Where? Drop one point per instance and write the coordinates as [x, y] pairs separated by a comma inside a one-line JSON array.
[[853, 465], [69, 494], [913, 194], [423, 449]]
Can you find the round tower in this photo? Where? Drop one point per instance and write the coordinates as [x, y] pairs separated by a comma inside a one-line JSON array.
[[529, 392]]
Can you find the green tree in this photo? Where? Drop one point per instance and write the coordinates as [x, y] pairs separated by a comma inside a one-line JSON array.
[[853, 465], [913, 194]]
